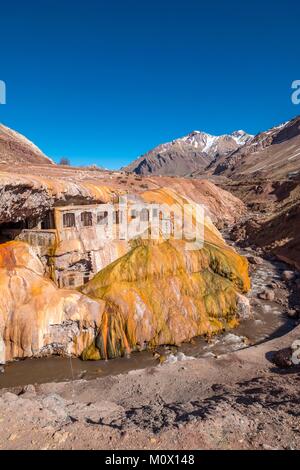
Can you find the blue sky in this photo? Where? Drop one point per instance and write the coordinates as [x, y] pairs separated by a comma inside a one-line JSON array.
[[104, 81]]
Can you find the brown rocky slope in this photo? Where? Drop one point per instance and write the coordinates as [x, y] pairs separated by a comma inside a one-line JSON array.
[[15, 148], [30, 191], [265, 174]]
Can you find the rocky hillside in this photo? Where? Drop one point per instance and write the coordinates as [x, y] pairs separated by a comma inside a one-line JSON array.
[[271, 154], [190, 153], [265, 174], [275, 225], [31, 191], [17, 149]]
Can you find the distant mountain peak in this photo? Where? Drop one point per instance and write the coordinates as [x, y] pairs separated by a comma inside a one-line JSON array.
[[241, 137], [238, 133]]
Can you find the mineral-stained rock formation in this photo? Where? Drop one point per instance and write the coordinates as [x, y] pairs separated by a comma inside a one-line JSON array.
[[161, 293], [156, 293], [31, 196], [37, 318]]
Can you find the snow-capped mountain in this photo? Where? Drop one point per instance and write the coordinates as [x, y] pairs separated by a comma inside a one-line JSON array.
[[207, 142], [241, 137], [192, 152]]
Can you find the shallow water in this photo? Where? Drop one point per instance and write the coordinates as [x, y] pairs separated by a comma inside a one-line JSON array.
[[268, 321], [61, 369]]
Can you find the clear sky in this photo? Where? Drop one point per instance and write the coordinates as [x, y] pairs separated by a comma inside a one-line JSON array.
[[104, 81]]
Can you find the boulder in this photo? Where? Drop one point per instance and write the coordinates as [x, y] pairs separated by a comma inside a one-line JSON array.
[[288, 275], [288, 357], [267, 294], [283, 358], [243, 307], [296, 352], [292, 313], [256, 260]]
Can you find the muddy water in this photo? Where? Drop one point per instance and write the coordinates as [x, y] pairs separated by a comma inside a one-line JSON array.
[[268, 321], [60, 369]]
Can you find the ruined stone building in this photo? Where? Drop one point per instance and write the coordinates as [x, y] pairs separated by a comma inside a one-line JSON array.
[[76, 242]]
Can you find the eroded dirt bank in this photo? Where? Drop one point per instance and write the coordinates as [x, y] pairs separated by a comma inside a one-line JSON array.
[[239, 401]]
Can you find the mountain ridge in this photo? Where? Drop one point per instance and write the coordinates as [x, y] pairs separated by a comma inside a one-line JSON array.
[[271, 152], [194, 151], [199, 154]]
